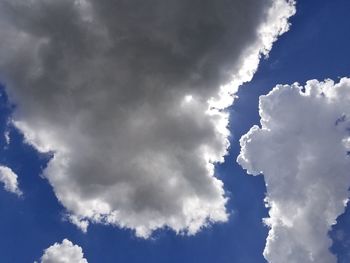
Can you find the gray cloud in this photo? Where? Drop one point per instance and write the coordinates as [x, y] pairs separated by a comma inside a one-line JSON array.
[[129, 95], [303, 150]]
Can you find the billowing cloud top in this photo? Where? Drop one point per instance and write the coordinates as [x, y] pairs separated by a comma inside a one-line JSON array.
[[303, 150], [65, 252], [128, 95], [9, 179]]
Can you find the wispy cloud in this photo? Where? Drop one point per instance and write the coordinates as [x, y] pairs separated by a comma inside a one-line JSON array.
[[9, 179]]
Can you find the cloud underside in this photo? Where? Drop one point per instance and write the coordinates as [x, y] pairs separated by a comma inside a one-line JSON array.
[[65, 252], [9, 179], [303, 150], [129, 98]]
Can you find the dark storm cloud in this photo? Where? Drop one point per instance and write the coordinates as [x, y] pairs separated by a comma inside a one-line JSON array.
[[119, 91]]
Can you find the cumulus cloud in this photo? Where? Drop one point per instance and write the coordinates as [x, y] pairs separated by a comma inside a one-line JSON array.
[[9, 179], [129, 97], [65, 252], [303, 150]]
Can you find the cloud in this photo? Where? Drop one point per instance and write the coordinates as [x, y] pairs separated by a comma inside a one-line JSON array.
[[9, 179], [65, 252], [303, 150], [105, 86]]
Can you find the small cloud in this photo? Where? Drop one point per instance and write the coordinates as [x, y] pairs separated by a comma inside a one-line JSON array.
[[9, 179], [65, 252], [7, 137]]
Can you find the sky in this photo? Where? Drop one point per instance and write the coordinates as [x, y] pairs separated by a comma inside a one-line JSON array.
[[109, 154]]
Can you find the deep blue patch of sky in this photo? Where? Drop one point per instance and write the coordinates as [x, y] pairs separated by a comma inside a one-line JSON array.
[[317, 46]]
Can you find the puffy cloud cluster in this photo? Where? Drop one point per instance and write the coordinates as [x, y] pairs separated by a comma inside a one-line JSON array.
[[129, 96], [303, 150], [65, 252], [9, 179]]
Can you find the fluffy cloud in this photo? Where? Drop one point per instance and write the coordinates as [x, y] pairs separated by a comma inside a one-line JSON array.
[[9, 179], [65, 252], [303, 150], [129, 96]]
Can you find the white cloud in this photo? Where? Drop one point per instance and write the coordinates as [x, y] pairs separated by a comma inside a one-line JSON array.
[[303, 150], [9, 179], [65, 252], [7, 137], [105, 85]]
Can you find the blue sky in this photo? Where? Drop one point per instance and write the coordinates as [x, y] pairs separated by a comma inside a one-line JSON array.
[[315, 47]]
